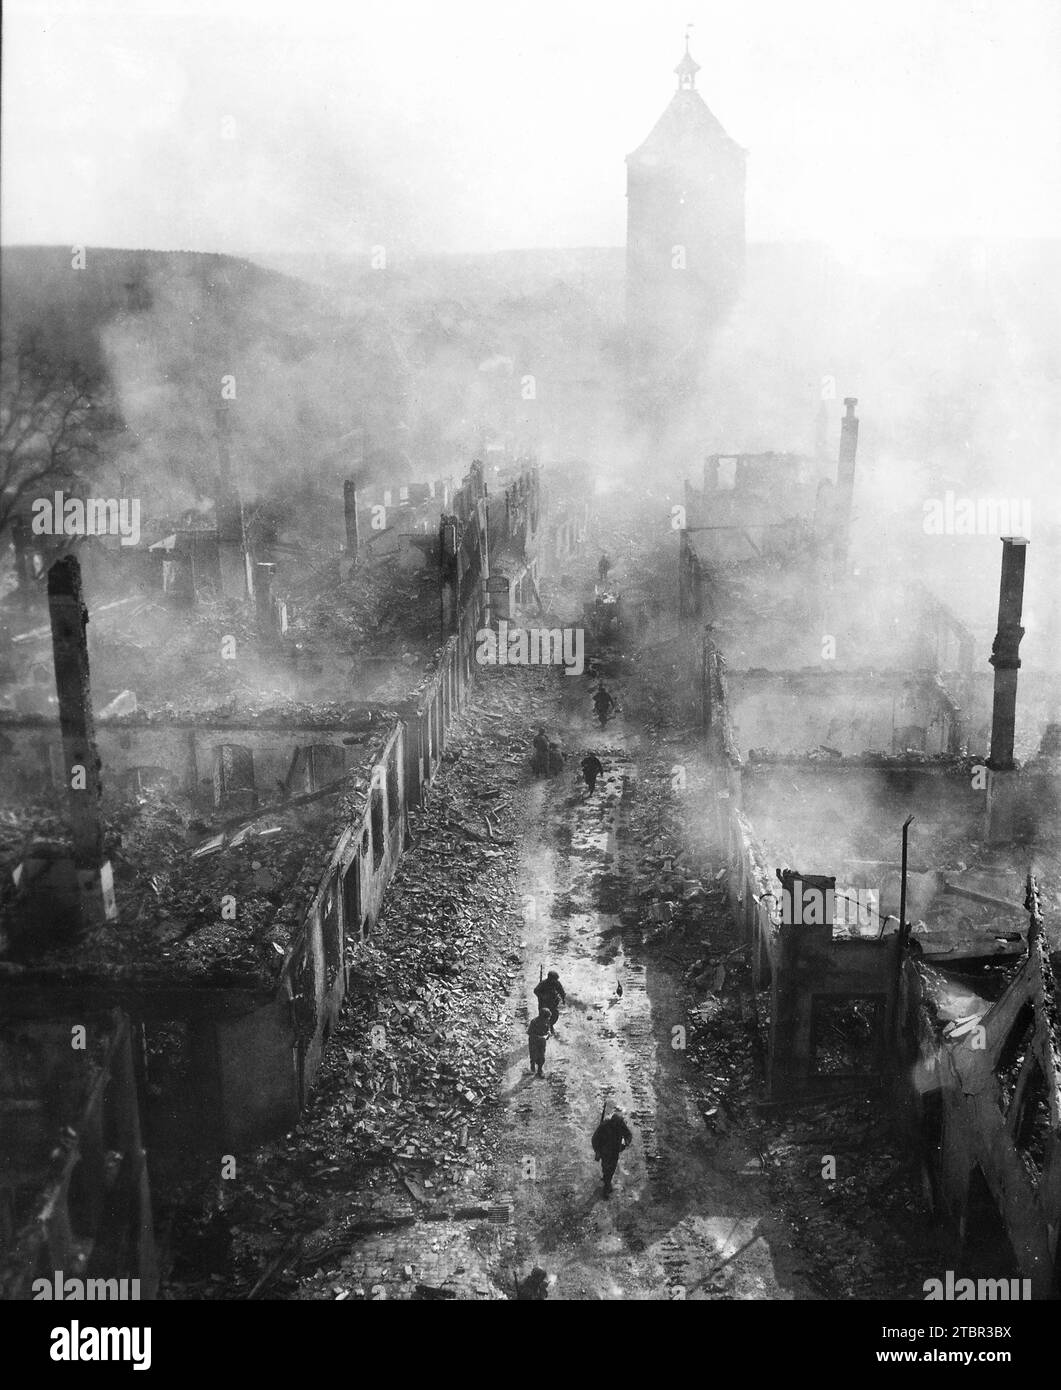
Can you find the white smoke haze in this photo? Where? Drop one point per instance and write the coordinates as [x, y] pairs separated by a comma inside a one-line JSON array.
[[955, 363], [311, 152]]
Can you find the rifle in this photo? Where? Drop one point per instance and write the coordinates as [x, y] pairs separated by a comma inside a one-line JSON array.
[[602, 1110], [541, 972]]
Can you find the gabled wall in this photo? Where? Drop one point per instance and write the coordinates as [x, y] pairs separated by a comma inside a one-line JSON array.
[[977, 1127]]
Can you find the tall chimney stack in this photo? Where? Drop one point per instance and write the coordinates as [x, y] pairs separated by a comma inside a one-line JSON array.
[[350, 514], [845, 477], [1004, 654], [81, 762], [1006, 661]]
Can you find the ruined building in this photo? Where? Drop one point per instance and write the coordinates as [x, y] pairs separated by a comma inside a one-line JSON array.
[[187, 890], [911, 961]]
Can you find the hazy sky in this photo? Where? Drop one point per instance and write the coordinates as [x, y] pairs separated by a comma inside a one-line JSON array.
[[255, 125]]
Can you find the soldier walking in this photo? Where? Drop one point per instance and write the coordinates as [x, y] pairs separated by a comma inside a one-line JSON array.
[[550, 994], [540, 761], [592, 768], [538, 1031], [603, 704], [610, 1138], [535, 1288]]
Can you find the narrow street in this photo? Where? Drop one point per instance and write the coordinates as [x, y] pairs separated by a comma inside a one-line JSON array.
[[432, 1164], [504, 1182], [687, 1219]]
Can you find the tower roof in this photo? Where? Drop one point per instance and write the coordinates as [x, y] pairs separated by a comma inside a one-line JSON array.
[[687, 126]]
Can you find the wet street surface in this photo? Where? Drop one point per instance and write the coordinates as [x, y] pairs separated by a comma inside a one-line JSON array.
[[687, 1218]]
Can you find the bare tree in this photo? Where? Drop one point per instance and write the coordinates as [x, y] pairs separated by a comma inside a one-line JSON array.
[[53, 415]]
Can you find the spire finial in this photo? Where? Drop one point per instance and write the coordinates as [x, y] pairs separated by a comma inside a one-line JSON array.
[[688, 67]]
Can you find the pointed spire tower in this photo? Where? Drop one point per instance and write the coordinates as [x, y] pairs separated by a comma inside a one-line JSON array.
[[687, 68], [685, 229]]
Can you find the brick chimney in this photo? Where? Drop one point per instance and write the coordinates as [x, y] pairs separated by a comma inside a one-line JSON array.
[[1002, 774], [1004, 653], [845, 478], [353, 538], [81, 762]]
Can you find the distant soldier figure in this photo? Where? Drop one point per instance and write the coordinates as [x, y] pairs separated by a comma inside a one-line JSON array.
[[603, 566], [540, 761], [538, 1031], [550, 993], [592, 768], [603, 704], [610, 1138], [535, 1288]]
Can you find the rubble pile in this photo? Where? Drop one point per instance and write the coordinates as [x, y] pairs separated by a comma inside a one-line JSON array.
[[161, 653], [383, 618], [668, 887], [171, 897], [214, 897], [383, 604], [865, 1229], [264, 707], [862, 1233]]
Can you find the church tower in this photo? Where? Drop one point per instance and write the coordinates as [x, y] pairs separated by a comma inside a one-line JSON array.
[[684, 237]]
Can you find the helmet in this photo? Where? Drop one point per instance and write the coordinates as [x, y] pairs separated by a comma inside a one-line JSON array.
[[553, 975]]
